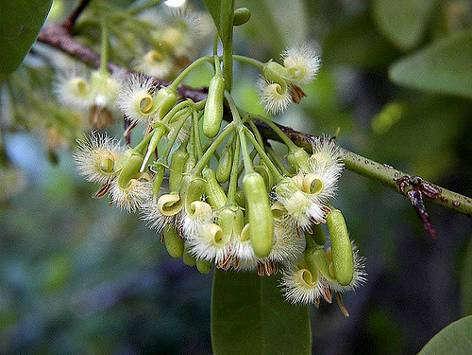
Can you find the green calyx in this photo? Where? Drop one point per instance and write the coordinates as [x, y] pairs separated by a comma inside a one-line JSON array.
[[274, 72], [231, 221], [297, 158], [165, 100], [223, 169], [177, 167], [130, 169]]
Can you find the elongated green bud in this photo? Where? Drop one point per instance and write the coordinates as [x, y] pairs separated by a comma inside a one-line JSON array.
[[177, 167], [341, 247], [165, 100], [240, 198], [213, 114], [173, 243], [223, 170], [298, 158], [130, 169], [203, 266], [216, 195], [241, 16], [261, 227]]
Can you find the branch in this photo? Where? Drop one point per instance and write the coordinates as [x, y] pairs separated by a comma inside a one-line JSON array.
[[58, 37], [70, 21]]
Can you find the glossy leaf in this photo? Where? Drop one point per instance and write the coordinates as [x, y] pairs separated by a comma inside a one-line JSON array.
[[455, 339], [249, 316], [443, 67], [403, 21], [222, 12], [20, 22], [466, 281]]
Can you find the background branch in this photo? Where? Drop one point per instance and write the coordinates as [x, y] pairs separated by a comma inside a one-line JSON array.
[[59, 37]]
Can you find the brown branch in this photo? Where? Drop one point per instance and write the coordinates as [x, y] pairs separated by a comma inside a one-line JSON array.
[[70, 21], [58, 37]]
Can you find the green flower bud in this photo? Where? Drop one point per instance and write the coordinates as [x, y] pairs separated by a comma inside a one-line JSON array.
[[240, 199], [165, 100], [216, 195], [213, 114], [223, 170], [241, 16], [341, 247], [203, 266], [173, 243], [177, 167], [261, 227]]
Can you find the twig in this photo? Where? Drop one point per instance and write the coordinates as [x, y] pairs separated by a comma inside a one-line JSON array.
[[58, 37], [70, 21]]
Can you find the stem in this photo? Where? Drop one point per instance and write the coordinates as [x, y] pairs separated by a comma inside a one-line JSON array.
[[277, 175], [196, 132], [228, 64], [104, 48], [233, 178], [280, 133], [172, 139], [212, 148], [247, 60], [69, 23], [187, 71], [276, 160]]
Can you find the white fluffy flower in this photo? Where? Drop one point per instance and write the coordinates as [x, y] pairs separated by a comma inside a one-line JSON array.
[[155, 64], [152, 214], [318, 178], [133, 196], [274, 97], [96, 157], [301, 208], [135, 98], [302, 62], [210, 243], [200, 214], [300, 286], [74, 91], [288, 244]]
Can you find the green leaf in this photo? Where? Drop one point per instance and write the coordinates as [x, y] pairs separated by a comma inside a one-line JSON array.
[[403, 21], [222, 12], [249, 316], [443, 67], [20, 22], [455, 339], [466, 281]]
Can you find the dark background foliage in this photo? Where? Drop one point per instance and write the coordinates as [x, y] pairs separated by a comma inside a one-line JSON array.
[[79, 276]]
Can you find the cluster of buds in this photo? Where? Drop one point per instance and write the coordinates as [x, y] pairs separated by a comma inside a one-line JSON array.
[[218, 194]]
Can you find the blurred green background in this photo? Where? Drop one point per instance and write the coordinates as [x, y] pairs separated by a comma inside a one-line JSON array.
[[78, 276]]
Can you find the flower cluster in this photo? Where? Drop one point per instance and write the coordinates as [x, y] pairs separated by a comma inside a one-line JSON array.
[[218, 194]]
